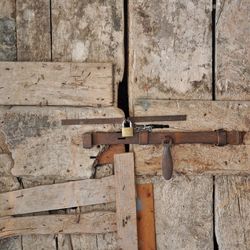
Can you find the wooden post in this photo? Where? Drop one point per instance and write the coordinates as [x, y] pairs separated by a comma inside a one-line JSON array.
[[125, 201], [145, 217]]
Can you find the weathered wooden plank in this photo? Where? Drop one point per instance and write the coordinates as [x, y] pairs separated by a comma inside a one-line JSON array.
[[107, 156], [33, 30], [125, 201], [145, 217], [232, 214], [233, 50], [7, 30], [29, 83], [183, 213], [42, 150], [89, 31], [95, 223], [38, 242], [201, 115], [173, 58], [57, 196], [14, 243]]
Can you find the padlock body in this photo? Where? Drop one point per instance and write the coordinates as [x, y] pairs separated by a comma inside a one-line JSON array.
[[127, 132]]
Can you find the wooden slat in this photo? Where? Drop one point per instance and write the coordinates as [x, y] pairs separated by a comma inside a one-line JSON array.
[[145, 217], [7, 30], [93, 222], [184, 213], [232, 213], [91, 31], [39, 242], [33, 30], [201, 115], [29, 83], [44, 151], [125, 201], [57, 196], [233, 50], [173, 58]]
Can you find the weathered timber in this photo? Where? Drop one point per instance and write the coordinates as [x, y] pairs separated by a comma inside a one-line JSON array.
[[183, 213], [42, 150], [201, 115], [233, 50], [94, 222], [33, 30], [232, 214], [39, 242], [57, 196], [74, 84], [14, 243], [145, 217], [89, 31], [7, 30], [125, 201], [170, 50], [107, 155]]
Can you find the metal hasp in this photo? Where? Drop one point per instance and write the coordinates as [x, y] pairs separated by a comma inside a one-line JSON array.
[[219, 137]]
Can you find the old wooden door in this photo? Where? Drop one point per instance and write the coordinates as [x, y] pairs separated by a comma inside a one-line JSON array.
[[178, 58]]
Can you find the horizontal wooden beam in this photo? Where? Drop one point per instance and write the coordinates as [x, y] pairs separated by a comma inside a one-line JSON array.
[[57, 196], [94, 222], [46, 83]]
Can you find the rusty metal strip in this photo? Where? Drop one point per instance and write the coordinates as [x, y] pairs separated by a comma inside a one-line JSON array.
[[218, 137], [120, 120]]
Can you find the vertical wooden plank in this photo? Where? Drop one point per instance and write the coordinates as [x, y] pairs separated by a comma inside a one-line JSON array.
[[170, 49], [39, 242], [184, 213], [33, 30], [145, 217], [125, 201], [89, 31], [233, 50], [7, 30], [232, 212]]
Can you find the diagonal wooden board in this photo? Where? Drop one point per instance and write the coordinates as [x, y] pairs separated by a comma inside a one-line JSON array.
[[93, 222], [54, 83], [125, 201], [57, 196]]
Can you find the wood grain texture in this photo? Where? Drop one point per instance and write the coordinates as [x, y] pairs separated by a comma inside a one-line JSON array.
[[145, 217], [33, 30], [95, 223], [89, 31], [38, 242], [57, 196], [232, 214], [233, 50], [201, 115], [170, 50], [183, 213], [7, 30], [72, 84], [42, 150], [125, 201]]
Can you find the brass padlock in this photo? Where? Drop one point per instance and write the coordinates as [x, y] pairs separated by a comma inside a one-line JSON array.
[[127, 131]]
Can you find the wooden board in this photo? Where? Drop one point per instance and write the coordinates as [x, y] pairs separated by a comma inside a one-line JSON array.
[[89, 31], [201, 115], [107, 156], [7, 30], [232, 214], [125, 201], [183, 213], [33, 30], [39, 242], [72, 84], [95, 223], [145, 217], [57, 196], [44, 151], [172, 59], [233, 50]]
